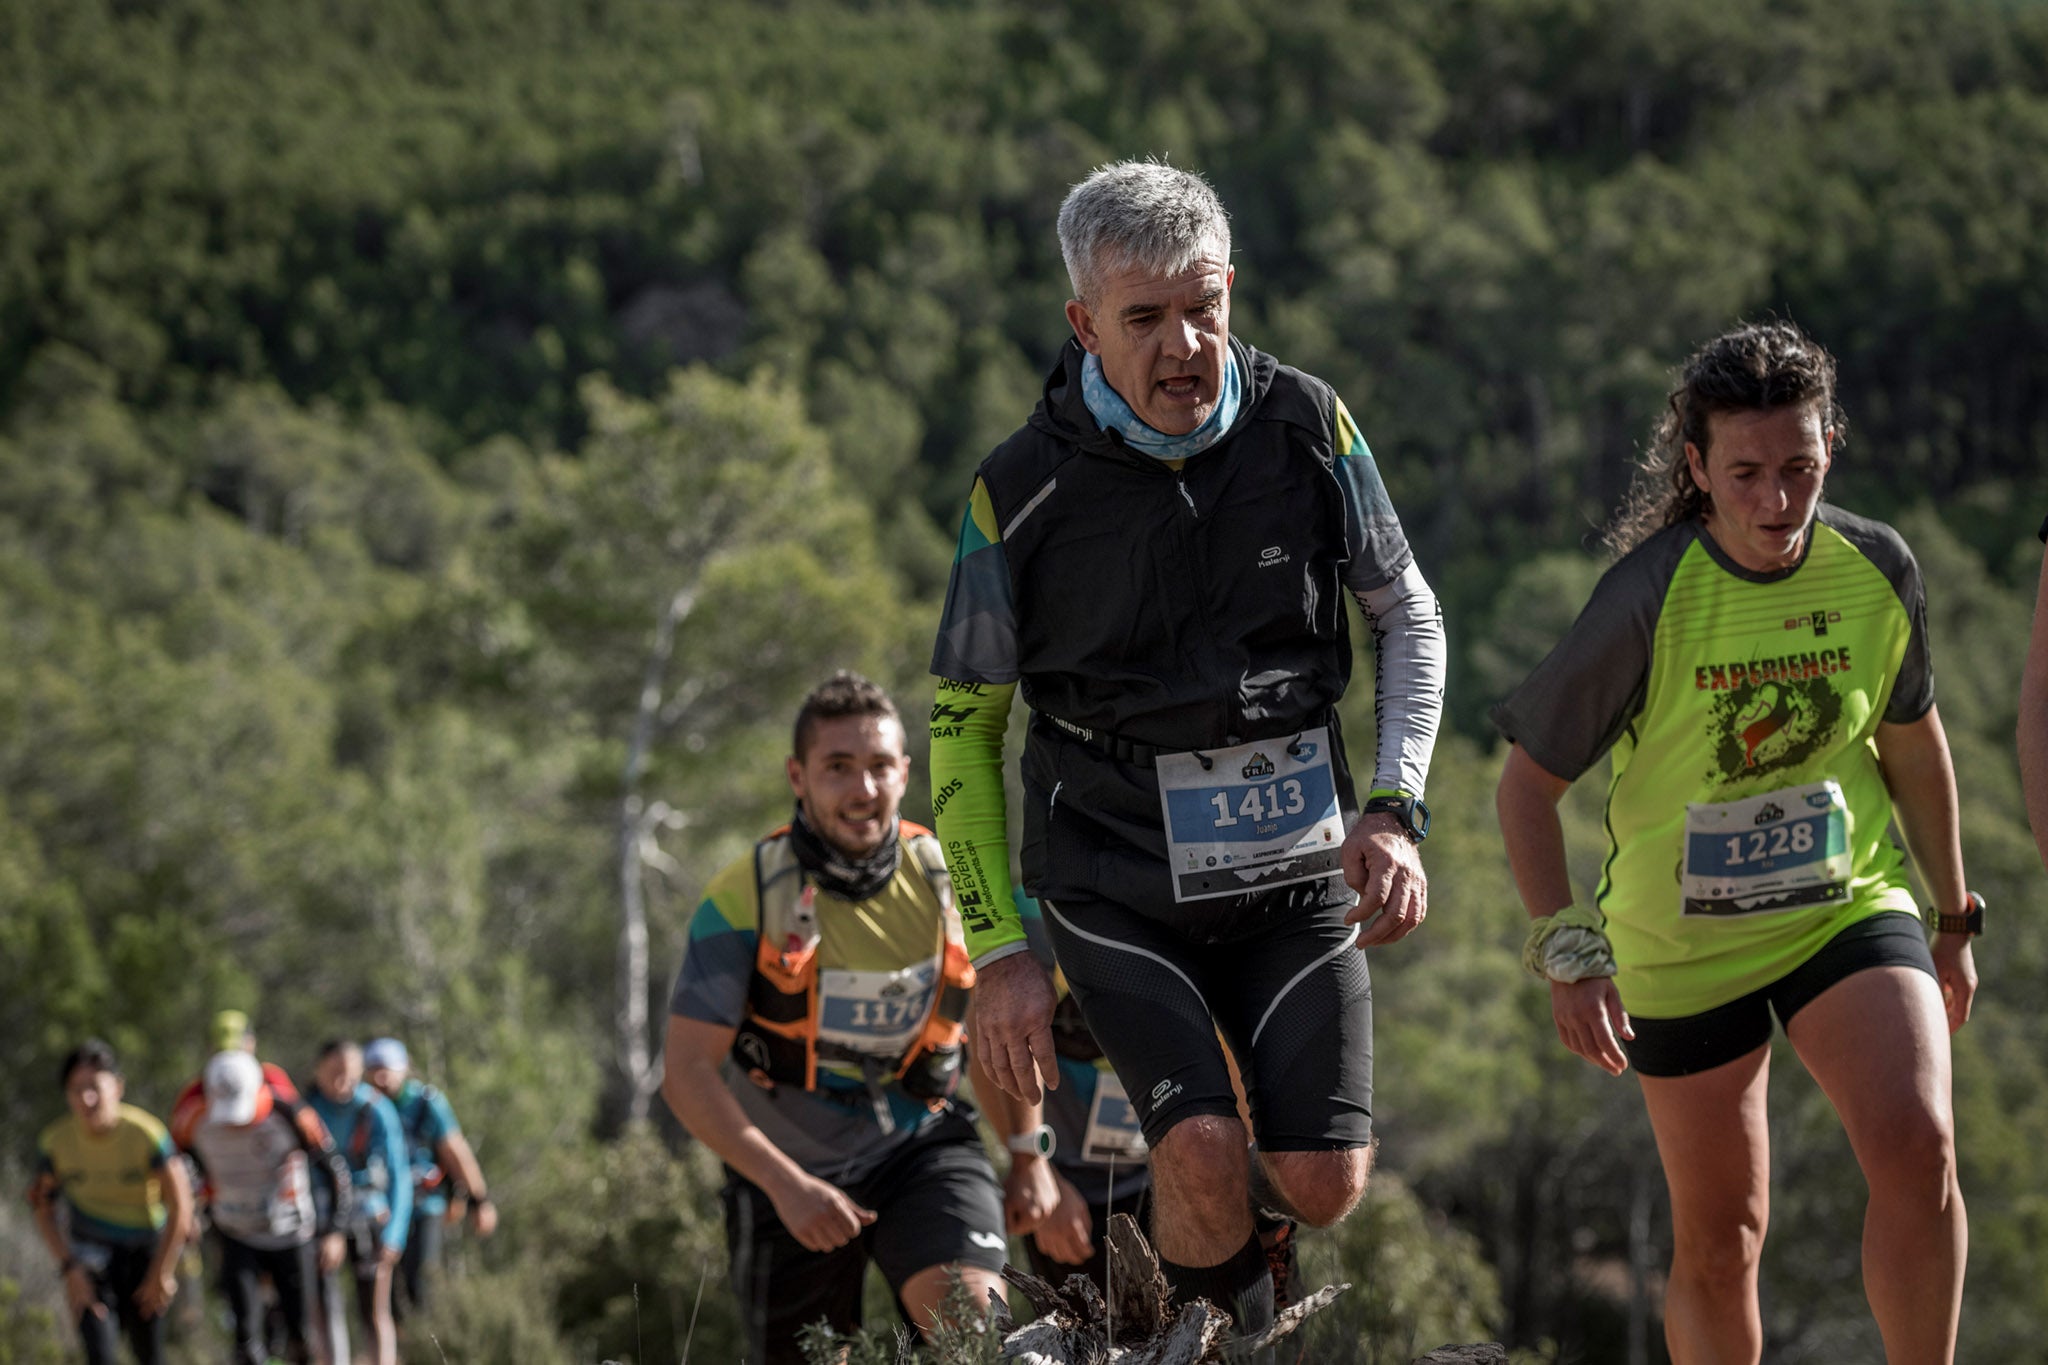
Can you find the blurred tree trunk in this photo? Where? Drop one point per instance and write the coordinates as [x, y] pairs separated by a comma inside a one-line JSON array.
[[638, 821]]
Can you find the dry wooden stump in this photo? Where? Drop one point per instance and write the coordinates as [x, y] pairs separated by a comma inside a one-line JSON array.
[[1137, 1324]]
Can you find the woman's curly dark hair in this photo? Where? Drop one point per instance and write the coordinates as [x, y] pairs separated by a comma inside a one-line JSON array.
[[1756, 367]]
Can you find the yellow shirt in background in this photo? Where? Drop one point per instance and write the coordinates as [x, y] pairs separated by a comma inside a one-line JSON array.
[[113, 1182]]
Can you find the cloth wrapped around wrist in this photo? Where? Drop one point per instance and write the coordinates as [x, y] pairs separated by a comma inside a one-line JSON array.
[[1569, 946]]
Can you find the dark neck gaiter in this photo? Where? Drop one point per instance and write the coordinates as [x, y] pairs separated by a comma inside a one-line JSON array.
[[853, 879]]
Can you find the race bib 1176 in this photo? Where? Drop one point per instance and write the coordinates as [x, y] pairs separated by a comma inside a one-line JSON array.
[[876, 1014]]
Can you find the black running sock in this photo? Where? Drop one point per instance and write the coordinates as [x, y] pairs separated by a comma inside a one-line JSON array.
[[1242, 1286]]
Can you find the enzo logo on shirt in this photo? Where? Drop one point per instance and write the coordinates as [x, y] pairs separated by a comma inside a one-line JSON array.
[[1819, 621]]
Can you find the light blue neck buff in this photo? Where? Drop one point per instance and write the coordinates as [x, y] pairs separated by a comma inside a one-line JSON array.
[[1110, 409]]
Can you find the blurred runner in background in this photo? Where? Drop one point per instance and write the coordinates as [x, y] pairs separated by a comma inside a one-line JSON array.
[[114, 1207]]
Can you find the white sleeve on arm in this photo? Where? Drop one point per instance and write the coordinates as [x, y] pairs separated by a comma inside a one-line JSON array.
[[1408, 677]]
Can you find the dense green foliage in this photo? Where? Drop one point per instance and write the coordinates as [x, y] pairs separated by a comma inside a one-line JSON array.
[[373, 379]]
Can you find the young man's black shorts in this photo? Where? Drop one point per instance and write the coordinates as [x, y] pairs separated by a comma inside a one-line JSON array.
[[936, 1203]]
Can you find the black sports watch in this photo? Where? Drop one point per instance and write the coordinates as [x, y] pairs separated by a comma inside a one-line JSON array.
[[1970, 922], [1409, 810]]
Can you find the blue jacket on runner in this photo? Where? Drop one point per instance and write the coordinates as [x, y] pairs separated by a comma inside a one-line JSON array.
[[427, 1119], [367, 1130]]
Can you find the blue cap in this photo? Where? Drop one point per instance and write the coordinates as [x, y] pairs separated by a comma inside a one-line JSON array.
[[386, 1052]]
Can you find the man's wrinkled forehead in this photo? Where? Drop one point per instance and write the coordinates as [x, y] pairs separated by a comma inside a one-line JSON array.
[[1134, 284], [1163, 295], [1122, 265]]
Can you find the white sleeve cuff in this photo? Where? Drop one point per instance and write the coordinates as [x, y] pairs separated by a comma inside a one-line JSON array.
[[998, 954], [1408, 678]]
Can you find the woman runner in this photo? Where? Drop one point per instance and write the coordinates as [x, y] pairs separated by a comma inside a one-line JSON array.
[[1758, 664]]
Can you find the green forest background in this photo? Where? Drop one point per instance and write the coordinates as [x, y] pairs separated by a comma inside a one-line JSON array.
[[440, 440]]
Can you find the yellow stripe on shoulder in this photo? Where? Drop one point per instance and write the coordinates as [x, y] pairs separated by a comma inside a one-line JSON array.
[[736, 894], [983, 510], [1350, 440]]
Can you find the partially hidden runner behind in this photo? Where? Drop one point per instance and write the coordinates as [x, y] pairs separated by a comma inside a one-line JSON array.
[[447, 1178], [366, 1130], [1090, 1144], [1757, 664], [814, 1044], [230, 1030], [1160, 559], [1099, 1154], [114, 1207]]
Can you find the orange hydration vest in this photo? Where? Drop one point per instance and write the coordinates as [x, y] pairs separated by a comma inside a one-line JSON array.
[[778, 1041]]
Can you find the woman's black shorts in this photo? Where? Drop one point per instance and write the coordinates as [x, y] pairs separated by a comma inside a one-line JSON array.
[[1700, 1042]]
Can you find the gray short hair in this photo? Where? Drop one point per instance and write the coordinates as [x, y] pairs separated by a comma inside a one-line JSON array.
[[1143, 214]]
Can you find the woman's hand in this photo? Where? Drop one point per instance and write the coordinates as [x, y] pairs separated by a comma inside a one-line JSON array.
[[1956, 970], [1591, 1021]]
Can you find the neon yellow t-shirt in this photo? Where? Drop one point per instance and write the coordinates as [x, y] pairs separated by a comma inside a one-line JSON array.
[[1731, 701]]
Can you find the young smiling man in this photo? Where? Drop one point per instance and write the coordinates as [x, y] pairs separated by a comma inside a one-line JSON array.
[[814, 1045], [1159, 557]]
